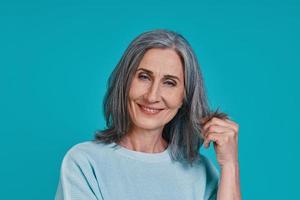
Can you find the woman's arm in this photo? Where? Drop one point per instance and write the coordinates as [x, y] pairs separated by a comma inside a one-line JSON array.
[[77, 180], [224, 134], [229, 186]]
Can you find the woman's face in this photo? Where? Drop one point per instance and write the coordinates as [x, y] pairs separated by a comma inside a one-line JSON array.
[[157, 89]]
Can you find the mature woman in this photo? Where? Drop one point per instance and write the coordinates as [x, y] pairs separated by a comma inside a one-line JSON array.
[[157, 119]]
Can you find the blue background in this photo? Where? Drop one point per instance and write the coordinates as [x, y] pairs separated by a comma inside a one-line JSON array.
[[56, 57]]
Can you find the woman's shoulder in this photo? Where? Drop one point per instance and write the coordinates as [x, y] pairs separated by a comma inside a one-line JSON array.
[[212, 177], [87, 146], [86, 150], [210, 168]]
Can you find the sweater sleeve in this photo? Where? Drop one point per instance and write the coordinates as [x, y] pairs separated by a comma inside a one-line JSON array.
[[77, 178], [212, 180]]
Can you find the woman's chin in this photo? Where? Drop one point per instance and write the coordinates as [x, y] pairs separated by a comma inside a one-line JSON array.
[[149, 126]]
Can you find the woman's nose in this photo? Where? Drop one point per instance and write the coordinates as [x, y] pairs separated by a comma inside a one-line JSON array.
[[153, 93]]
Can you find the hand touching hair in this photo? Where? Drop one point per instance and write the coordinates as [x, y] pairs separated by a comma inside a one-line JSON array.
[[217, 127]]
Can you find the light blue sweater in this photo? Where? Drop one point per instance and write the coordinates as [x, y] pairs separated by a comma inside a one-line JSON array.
[[91, 171]]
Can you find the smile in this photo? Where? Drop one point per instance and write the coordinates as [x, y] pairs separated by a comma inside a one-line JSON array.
[[148, 110]]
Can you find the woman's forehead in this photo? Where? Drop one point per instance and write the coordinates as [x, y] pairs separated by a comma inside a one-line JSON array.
[[162, 61]]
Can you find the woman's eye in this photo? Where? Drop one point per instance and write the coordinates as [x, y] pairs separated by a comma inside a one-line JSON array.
[[143, 77], [170, 83]]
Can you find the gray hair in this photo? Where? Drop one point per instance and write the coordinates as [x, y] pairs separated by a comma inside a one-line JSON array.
[[183, 132]]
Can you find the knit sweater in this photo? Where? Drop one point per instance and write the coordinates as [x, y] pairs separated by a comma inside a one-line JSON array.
[[97, 171]]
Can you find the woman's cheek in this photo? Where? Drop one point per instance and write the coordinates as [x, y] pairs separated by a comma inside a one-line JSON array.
[[174, 99], [137, 90]]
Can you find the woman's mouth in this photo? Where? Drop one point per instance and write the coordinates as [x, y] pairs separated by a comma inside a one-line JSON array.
[[149, 110]]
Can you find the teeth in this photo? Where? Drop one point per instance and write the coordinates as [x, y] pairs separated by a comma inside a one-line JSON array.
[[150, 110]]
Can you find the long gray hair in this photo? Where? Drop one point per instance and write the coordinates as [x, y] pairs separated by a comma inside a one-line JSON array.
[[183, 132]]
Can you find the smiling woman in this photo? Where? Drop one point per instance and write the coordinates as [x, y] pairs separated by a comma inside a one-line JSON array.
[[158, 70], [157, 118], [156, 93]]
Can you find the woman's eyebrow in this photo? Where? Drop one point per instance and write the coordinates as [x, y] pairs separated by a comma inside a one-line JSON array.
[[166, 76]]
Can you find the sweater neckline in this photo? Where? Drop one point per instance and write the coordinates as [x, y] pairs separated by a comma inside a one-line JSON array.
[[142, 156]]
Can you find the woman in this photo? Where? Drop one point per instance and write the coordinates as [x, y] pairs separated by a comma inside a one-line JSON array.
[[157, 119]]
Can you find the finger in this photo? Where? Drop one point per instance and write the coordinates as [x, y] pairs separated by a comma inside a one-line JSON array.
[[230, 121], [214, 137], [215, 121], [217, 138], [217, 129], [220, 122], [234, 124]]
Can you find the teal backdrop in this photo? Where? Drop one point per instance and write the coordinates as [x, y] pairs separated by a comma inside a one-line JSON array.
[[56, 57]]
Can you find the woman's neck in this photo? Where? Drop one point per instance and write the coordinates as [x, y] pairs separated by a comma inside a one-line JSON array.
[[144, 141]]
